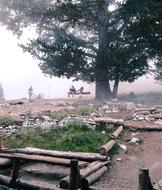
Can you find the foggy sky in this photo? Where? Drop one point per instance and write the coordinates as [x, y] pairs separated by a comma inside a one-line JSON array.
[[18, 71]]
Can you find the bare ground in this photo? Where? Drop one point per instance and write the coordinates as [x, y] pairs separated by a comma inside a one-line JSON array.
[[121, 175], [124, 175]]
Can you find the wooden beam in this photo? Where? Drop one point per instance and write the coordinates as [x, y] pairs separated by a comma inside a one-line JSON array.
[[86, 182], [26, 184], [85, 156], [107, 147], [108, 120], [92, 167], [42, 159], [116, 133]]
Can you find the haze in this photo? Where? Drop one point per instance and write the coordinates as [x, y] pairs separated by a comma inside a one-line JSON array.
[[19, 71]]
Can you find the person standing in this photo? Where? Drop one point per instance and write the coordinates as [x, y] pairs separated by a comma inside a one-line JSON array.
[[30, 93]]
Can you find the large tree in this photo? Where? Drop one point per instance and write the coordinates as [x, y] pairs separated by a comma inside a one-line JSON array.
[[81, 39], [146, 29]]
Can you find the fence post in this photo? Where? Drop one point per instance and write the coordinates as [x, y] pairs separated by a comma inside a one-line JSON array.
[[144, 180], [74, 174], [15, 172], [1, 143]]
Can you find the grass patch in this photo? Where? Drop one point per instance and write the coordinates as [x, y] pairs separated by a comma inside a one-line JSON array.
[[80, 111], [6, 121], [76, 136]]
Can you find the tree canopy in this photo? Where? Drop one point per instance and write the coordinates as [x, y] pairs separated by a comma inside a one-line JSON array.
[[84, 40]]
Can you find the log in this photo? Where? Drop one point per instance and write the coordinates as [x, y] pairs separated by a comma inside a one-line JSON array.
[[29, 185], [107, 147], [74, 174], [146, 109], [156, 116], [5, 162], [60, 154], [143, 112], [141, 125], [144, 180], [116, 133], [92, 167], [42, 159], [108, 120], [86, 182]]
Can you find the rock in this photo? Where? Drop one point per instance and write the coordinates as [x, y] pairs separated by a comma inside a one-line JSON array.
[[159, 122], [119, 159], [122, 146], [103, 132], [134, 140]]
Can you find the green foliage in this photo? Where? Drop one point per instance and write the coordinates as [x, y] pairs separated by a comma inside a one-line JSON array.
[[80, 39], [76, 136], [6, 121]]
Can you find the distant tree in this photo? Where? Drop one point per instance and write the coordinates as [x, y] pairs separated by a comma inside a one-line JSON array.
[[79, 39]]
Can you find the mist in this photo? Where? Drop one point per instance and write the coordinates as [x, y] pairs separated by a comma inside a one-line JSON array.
[[19, 71]]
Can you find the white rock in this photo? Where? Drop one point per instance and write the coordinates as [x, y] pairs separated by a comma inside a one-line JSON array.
[[134, 140], [103, 132], [159, 122], [119, 159], [122, 146]]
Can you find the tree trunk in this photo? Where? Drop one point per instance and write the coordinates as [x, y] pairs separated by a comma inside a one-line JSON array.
[[103, 91], [115, 89]]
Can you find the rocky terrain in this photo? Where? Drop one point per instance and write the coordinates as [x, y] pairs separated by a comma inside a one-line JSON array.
[[136, 148]]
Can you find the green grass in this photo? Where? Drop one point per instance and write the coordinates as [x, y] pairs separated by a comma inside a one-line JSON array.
[[75, 137], [81, 111], [6, 121]]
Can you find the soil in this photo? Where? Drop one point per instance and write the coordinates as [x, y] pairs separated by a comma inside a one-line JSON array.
[[123, 175]]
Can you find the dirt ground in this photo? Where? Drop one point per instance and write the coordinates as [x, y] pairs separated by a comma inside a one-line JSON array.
[[123, 175]]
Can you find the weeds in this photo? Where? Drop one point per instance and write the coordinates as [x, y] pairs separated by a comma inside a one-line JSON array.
[[80, 111], [76, 136], [6, 121]]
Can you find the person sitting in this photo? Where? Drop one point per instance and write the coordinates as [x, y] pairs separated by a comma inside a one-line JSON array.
[[72, 91], [80, 91]]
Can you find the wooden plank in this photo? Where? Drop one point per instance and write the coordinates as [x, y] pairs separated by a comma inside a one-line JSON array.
[[107, 147], [92, 167], [42, 159], [60, 154], [108, 120], [91, 179], [116, 133], [142, 125], [34, 185]]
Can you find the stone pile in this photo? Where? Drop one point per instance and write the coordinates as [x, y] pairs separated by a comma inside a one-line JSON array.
[[44, 119]]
